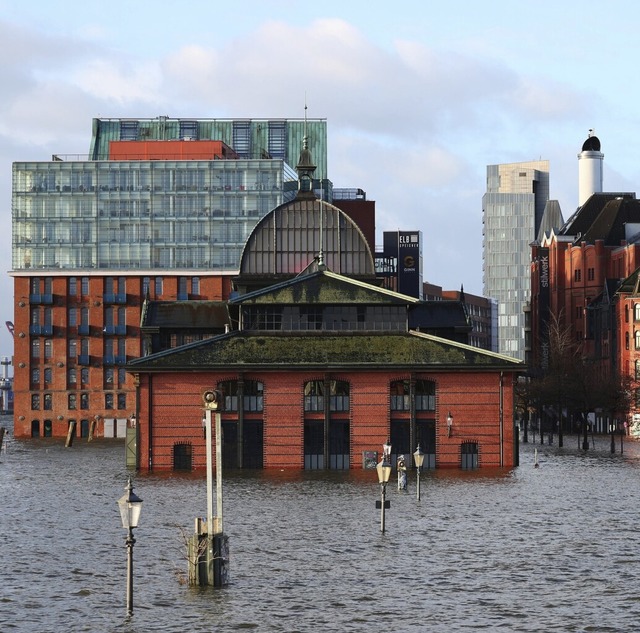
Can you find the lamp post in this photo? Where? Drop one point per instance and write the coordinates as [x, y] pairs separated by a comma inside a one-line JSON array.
[[130, 506], [384, 472], [418, 458], [449, 424]]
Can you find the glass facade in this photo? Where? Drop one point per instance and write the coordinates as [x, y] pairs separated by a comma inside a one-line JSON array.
[[142, 214], [512, 212]]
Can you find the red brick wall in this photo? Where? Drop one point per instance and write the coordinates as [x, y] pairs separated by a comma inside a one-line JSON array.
[[475, 400]]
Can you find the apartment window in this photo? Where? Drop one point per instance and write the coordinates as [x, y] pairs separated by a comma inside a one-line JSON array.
[[84, 400], [122, 401], [48, 402], [48, 348], [35, 316], [195, 285], [72, 401], [73, 347], [636, 311], [84, 286], [35, 285], [84, 375], [72, 376], [122, 376], [47, 376], [158, 287], [35, 377], [108, 376], [146, 286], [72, 317], [35, 401], [577, 275], [73, 287], [637, 337], [35, 348], [108, 401]]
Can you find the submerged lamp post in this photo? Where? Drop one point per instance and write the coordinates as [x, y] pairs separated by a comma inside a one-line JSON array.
[[130, 506], [384, 472], [418, 458]]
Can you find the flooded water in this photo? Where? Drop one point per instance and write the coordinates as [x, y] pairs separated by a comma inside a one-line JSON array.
[[553, 548]]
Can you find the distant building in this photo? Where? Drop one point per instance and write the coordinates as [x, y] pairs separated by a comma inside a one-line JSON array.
[[513, 208]]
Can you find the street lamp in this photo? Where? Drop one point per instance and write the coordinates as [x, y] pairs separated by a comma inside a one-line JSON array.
[[418, 458], [130, 505], [384, 472], [449, 424]]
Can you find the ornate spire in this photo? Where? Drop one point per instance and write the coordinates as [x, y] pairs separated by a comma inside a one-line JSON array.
[[305, 166]]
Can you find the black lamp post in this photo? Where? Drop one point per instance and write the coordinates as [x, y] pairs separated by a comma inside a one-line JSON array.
[[418, 458], [384, 472], [130, 505]]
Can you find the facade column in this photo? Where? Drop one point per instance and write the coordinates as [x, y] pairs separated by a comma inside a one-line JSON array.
[[240, 428]]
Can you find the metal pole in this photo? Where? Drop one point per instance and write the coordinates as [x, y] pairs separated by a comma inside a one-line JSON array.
[[130, 542], [219, 472], [418, 484], [383, 491], [207, 426]]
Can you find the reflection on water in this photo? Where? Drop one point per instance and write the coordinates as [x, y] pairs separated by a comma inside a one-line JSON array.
[[547, 549]]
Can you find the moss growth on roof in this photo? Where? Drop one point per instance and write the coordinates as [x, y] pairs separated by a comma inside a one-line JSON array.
[[310, 350]]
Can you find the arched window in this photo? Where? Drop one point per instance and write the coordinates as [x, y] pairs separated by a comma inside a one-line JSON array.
[[636, 312], [314, 395], [400, 395], [425, 395], [637, 337], [339, 395]]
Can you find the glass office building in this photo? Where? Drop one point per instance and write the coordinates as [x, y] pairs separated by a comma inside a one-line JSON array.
[[512, 210], [160, 215]]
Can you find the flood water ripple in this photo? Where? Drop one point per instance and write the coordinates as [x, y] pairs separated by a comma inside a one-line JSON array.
[[553, 548]]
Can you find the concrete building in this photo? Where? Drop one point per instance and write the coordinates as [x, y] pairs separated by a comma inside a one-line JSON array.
[[512, 209]]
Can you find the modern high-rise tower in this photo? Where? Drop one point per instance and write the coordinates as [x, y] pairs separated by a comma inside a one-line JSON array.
[[512, 209]]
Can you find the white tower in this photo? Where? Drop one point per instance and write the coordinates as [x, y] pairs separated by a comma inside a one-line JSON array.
[[590, 161]]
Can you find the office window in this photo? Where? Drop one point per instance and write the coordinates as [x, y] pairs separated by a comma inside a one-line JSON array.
[[158, 287], [72, 318], [122, 376], [84, 400], [48, 375], [146, 281], [84, 286], [35, 348], [72, 401], [108, 401], [129, 130], [122, 401], [188, 130], [48, 402], [48, 348], [73, 347], [195, 285], [84, 375], [72, 376], [108, 376], [73, 287], [35, 377], [35, 401]]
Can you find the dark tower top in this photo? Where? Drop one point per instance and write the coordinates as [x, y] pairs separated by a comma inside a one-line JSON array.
[[592, 144]]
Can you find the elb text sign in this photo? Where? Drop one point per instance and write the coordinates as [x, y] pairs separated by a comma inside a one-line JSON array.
[[409, 263]]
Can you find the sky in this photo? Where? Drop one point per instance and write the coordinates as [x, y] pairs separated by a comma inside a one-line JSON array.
[[419, 96]]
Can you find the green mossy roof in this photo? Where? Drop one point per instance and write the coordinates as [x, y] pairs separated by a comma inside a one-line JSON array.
[[244, 351]]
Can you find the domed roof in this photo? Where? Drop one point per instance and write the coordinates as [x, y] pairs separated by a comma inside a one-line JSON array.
[[592, 144]]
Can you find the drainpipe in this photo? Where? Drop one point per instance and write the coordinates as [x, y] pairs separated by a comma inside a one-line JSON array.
[[501, 419]]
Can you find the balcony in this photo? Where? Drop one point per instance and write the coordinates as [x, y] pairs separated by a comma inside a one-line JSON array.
[[41, 330], [119, 298], [45, 299]]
